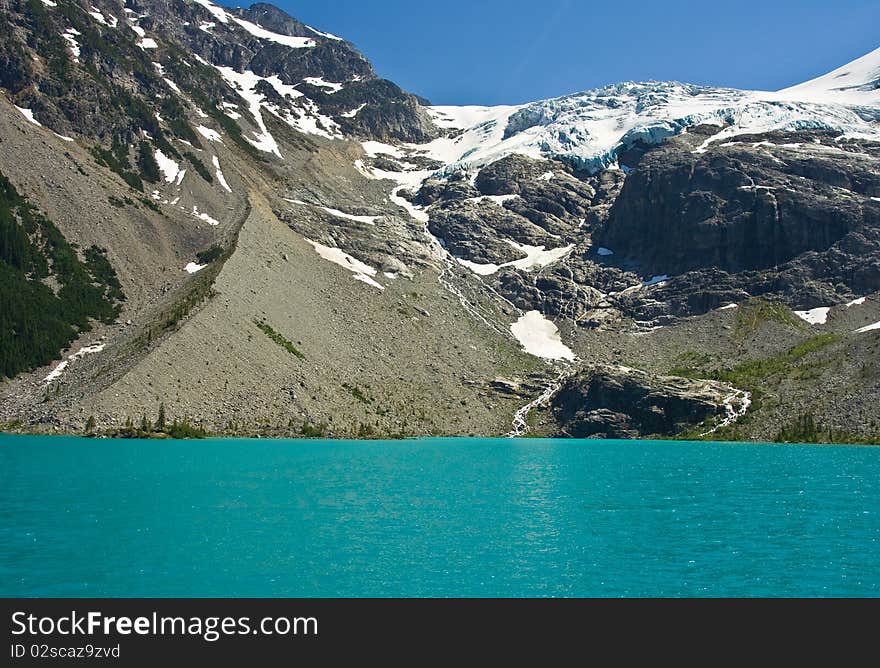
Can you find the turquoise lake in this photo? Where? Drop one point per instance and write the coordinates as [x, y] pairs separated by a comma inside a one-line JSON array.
[[436, 518]]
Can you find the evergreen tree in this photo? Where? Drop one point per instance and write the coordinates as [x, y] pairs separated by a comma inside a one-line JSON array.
[[160, 420]]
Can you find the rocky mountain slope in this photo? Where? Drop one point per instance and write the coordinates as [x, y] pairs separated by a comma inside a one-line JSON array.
[[264, 236]]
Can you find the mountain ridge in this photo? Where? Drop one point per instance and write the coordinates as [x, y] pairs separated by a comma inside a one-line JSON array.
[[471, 259]]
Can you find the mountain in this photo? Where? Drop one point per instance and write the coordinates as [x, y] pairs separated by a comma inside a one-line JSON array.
[[227, 213]]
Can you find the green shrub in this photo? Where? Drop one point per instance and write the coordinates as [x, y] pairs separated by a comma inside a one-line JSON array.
[[279, 339]]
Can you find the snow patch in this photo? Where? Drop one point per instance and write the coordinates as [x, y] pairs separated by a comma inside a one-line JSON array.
[[362, 271], [213, 222], [79, 354], [29, 114], [869, 328], [193, 268], [325, 34], [540, 337], [208, 133], [604, 252], [536, 256], [856, 302], [69, 36], [173, 86], [148, 43], [729, 307], [353, 112], [222, 179], [816, 316], [218, 12], [50, 3], [374, 148], [245, 84], [285, 40], [170, 169], [97, 15], [320, 83], [369, 220]]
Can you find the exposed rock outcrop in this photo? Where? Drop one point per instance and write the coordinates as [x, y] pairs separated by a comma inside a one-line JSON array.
[[604, 401]]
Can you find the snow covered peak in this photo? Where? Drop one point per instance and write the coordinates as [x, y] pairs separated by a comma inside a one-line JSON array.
[[856, 83], [590, 129]]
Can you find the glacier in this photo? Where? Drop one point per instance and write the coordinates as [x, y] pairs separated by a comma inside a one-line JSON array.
[[590, 129]]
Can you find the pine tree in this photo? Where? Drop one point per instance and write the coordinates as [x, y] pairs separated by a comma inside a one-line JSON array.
[[146, 427], [90, 425], [160, 420]]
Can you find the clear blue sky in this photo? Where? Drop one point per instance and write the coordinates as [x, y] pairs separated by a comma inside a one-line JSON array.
[[513, 51]]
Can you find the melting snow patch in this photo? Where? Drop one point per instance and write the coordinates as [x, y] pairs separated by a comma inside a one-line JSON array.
[[140, 32], [172, 86], [486, 269], [98, 16], [79, 354], [220, 177], [362, 272], [362, 168], [28, 114], [213, 222], [208, 133], [245, 83], [167, 166], [540, 337], [193, 268], [325, 34], [536, 256], [374, 148], [728, 307], [148, 43], [353, 112], [285, 40], [856, 302], [546, 176], [69, 36], [869, 328], [413, 211], [320, 83], [206, 26], [816, 316], [218, 12], [369, 220]]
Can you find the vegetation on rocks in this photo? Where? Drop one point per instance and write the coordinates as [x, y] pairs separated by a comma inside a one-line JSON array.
[[805, 429], [266, 328], [49, 292]]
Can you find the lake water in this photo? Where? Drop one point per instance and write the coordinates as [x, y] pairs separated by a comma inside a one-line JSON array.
[[436, 517]]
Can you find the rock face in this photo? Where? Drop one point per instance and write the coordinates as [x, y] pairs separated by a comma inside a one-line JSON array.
[[101, 93], [604, 401], [750, 204]]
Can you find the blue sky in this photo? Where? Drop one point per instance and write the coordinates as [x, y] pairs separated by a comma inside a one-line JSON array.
[[511, 51]]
